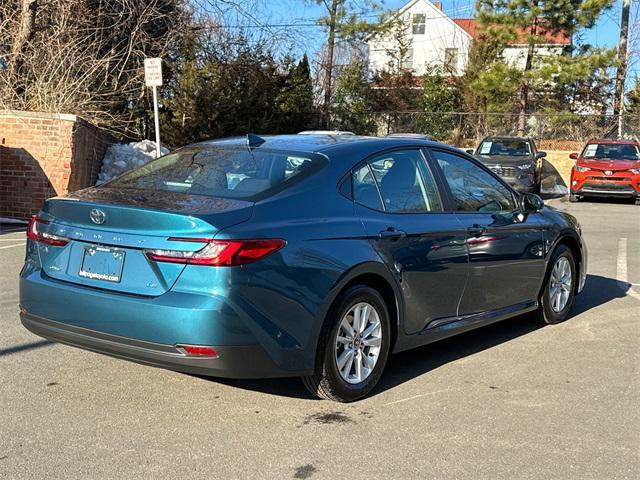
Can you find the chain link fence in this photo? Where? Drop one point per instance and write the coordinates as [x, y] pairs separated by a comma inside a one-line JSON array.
[[552, 131]]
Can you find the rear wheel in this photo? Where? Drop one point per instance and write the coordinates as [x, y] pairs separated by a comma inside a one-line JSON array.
[[557, 294], [353, 346]]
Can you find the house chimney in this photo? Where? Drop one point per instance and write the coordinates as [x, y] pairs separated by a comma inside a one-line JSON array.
[[438, 5]]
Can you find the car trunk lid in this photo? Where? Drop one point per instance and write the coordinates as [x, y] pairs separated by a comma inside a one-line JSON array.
[[110, 229]]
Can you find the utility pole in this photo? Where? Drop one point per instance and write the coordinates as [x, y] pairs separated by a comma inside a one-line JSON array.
[[621, 75], [328, 67]]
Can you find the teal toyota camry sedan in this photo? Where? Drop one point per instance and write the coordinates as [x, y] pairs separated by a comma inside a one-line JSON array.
[[315, 256]]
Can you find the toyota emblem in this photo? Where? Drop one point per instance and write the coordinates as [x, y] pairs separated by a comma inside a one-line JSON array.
[[608, 173], [97, 216]]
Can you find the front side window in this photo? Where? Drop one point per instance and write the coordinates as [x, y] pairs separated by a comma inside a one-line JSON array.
[[403, 183], [220, 172], [505, 147], [473, 189], [611, 151], [418, 23]]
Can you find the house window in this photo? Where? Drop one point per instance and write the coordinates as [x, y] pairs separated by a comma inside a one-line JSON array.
[[407, 60], [419, 20], [450, 59]]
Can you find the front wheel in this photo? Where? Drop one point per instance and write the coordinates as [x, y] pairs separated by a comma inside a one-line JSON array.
[[353, 347], [559, 288]]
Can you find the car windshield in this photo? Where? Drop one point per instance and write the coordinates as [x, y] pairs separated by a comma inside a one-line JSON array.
[[613, 151], [221, 172], [505, 147]]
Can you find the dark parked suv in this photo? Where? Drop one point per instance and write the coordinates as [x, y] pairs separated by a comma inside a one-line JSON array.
[[515, 159]]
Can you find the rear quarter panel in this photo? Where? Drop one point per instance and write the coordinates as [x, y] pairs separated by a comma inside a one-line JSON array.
[[286, 295]]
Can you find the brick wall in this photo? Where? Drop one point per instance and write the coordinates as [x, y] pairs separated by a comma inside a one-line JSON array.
[[43, 155]]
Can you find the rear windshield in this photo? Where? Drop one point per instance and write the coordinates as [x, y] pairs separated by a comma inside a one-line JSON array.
[[612, 151], [221, 172], [506, 147]]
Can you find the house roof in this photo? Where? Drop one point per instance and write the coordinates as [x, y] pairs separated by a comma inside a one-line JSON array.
[[471, 26]]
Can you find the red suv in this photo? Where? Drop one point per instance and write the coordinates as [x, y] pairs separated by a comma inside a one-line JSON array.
[[606, 168]]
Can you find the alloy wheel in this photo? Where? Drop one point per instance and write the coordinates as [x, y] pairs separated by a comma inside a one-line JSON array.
[[561, 283], [358, 343]]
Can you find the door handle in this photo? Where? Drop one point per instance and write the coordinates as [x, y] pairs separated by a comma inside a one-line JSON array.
[[476, 230], [392, 233]]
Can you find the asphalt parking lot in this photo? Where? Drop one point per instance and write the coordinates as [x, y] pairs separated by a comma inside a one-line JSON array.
[[511, 400]]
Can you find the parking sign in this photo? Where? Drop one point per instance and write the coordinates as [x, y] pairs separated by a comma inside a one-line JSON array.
[[153, 72]]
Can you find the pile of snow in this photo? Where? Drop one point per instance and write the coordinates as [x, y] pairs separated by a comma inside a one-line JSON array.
[[552, 185], [121, 157]]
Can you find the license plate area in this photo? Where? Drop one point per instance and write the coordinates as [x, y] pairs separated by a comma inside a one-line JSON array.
[[102, 263]]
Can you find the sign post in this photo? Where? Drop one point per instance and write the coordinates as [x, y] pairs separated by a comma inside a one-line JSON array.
[[153, 79]]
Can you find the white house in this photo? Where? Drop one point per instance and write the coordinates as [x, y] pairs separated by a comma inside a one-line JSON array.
[[436, 40]]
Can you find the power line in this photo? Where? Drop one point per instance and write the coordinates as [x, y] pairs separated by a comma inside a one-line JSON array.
[[315, 23]]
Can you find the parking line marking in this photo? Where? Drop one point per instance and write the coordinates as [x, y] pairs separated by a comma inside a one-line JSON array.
[[622, 270], [14, 245]]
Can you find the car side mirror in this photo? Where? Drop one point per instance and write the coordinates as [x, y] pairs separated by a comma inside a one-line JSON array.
[[541, 154], [531, 203], [573, 156], [469, 151]]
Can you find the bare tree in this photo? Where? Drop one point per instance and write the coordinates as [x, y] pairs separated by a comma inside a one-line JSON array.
[[85, 56]]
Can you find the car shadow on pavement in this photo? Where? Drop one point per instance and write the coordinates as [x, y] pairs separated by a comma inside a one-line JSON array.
[[406, 366], [6, 228], [25, 346], [597, 291], [608, 200]]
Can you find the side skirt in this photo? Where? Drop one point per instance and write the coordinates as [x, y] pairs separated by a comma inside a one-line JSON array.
[[442, 328]]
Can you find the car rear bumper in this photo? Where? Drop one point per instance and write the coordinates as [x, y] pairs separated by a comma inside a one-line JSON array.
[[148, 329], [248, 361]]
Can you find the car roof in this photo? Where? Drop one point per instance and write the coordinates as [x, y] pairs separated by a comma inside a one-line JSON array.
[[323, 143], [423, 136], [613, 141], [506, 137], [325, 132]]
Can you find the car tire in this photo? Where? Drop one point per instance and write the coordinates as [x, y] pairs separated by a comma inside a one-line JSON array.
[[551, 308], [574, 198], [328, 381]]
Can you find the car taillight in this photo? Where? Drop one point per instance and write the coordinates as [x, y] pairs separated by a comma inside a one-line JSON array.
[[43, 237], [218, 253]]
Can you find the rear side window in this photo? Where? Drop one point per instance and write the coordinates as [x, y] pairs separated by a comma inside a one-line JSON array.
[[473, 189], [365, 190], [397, 182], [221, 172]]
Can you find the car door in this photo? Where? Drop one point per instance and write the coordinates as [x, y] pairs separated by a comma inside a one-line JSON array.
[[505, 246], [401, 209]]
